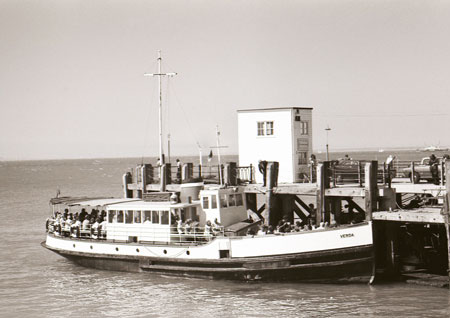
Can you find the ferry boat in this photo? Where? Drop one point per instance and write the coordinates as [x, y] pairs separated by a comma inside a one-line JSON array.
[[143, 236], [202, 231]]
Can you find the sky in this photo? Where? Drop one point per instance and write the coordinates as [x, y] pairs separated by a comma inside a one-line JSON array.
[[72, 85]]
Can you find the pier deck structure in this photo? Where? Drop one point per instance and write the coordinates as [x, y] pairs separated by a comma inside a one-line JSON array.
[[424, 228]]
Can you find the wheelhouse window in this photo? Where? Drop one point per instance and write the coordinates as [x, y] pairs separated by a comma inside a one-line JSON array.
[[206, 202], [232, 200], [265, 128], [239, 199], [223, 201], [213, 202]]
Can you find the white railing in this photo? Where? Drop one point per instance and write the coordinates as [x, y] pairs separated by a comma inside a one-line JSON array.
[[137, 233]]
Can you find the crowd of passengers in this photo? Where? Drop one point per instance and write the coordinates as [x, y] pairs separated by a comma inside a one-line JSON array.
[[192, 227], [347, 216], [92, 224]]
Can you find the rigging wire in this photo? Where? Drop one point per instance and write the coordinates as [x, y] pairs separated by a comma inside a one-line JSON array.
[[186, 118]]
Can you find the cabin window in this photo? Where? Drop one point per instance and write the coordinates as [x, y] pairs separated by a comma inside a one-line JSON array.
[[223, 201], [265, 128], [128, 217], [137, 216], [206, 202], [155, 217], [147, 216], [213, 202], [231, 200], [239, 199], [304, 127], [164, 217], [119, 216], [112, 216]]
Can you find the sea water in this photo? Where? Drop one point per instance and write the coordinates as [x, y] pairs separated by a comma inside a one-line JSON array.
[[35, 282]]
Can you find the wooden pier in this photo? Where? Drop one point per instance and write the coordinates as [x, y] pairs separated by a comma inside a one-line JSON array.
[[410, 220]]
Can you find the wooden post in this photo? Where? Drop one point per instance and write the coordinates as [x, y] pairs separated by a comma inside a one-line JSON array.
[[442, 172], [446, 212], [187, 172], [200, 171], [359, 174], [413, 180], [163, 178], [126, 179], [230, 176], [371, 188], [251, 174], [272, 176], [336, 207], [392, 264], [323, 182], [139, 181]]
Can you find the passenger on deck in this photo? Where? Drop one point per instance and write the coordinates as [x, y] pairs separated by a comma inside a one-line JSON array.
[[94, 228], [75, 228], [179, 165], [188, 226], [85, 224], [179, 225], [83, 214], [216, 227], [102, 228], [207, 231]]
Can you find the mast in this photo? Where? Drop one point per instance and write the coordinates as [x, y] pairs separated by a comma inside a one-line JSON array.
[[160, 75]]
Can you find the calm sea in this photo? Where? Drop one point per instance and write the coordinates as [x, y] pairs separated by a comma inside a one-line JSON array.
[[35, 282]]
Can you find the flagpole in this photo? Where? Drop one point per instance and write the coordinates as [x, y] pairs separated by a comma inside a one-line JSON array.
[[218, 154]]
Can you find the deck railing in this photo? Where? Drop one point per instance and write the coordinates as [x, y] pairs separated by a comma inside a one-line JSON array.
[[140, 233]]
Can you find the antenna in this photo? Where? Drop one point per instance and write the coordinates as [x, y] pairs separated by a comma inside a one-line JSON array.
[[160, 75]]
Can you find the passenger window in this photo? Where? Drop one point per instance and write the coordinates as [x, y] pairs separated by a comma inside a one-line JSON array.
[[205, 202], [137, 216], [147, 216], [214, 202], [231, 200], [239, 199], [112, 216], [223, 201], [155, 217], [119, 216], [128, 217], [164, 217]]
